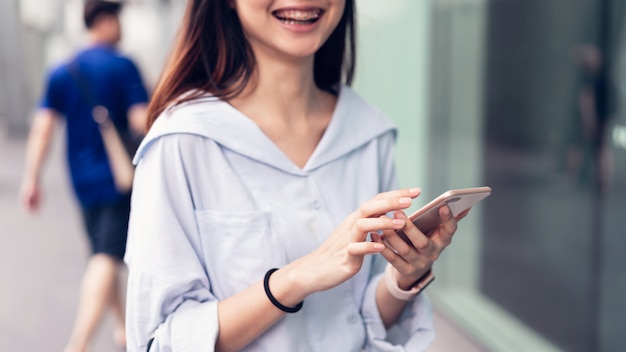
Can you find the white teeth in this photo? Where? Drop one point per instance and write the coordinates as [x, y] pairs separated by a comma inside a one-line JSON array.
[[296, 15]]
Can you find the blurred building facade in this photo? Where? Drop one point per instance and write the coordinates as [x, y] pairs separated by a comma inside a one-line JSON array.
[[525, 96], [38, 34], [528, 97]]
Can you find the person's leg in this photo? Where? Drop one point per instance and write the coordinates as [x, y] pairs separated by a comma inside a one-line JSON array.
[[100, 288], [117, 304], [116, 245], [95, 295]]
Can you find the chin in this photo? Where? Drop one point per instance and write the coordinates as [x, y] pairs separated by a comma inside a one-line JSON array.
[[300, 49]]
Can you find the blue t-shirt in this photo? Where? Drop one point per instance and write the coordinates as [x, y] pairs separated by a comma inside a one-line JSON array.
[[114, 82]]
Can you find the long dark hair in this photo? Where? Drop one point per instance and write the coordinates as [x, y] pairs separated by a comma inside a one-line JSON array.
[[211, 54]]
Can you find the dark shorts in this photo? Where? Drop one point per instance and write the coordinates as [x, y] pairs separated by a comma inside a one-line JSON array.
[[107, 227]]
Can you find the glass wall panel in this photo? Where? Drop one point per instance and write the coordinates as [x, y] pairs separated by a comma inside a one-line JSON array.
[[541, 259]]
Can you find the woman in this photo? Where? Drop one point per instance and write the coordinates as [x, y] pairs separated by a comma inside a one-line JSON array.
[[259, 157]]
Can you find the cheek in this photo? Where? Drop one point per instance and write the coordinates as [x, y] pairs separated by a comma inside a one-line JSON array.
[[339, 7], [253, 17], [254, 31]]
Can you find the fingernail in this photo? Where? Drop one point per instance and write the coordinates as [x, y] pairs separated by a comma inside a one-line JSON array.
[[404, 200], [397, 222], [378, 246], [446, 211], [415, 190]]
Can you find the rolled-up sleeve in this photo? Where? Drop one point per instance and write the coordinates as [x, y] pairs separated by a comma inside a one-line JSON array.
[[169, 295], [413, 331]]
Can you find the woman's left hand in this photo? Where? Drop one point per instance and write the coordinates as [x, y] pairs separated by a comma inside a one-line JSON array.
[[411, 262]]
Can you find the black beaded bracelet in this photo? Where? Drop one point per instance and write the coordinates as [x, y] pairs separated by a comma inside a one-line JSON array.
[[266, 286]]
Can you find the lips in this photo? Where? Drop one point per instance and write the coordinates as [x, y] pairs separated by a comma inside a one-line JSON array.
[[298, 16]]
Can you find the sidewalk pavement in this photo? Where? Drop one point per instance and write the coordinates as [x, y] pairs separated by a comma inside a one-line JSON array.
[[42, 258]]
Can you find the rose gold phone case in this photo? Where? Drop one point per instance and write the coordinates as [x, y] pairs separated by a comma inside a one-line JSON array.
[[427, 217]]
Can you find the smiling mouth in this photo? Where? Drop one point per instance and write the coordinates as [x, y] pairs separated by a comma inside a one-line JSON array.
[[298, 16]]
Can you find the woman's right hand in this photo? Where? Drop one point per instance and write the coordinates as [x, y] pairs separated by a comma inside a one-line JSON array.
[[244, 316], [340, 257]]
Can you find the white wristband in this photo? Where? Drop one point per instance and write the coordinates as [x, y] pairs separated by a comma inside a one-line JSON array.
[[398, 293]]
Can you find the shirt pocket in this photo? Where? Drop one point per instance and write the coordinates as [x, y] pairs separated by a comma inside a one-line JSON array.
[[238, 248]]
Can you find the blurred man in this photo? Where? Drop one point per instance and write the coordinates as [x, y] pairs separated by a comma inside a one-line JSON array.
[[97, 73]]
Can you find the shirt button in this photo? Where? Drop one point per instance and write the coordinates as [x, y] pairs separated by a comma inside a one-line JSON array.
[[317, 203], [352, 319]]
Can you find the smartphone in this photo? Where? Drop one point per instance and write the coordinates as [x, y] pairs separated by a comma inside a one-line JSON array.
[[427, 217]]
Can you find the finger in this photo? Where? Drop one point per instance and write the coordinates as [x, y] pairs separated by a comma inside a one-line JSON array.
[[363, 248], [394, 259], [376, 237], [448, 222], [30, 202], [386, 202], [416, 241], [365, 225], [405, 192], [402, 266], [442, 236], [463, 214], [401, 248], [33, 207], [377, 207], [419, 240]]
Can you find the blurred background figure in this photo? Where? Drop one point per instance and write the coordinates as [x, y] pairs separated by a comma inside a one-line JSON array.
[[588, 158], [97, 73]]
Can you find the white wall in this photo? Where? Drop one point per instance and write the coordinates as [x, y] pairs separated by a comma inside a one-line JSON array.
[[392, 73]]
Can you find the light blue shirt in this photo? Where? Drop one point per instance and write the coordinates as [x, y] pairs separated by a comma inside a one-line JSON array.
[[216, 204]]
